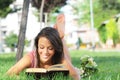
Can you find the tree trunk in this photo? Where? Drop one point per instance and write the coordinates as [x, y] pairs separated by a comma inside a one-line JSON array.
[[22, 31], [41, 13], [46, 16]]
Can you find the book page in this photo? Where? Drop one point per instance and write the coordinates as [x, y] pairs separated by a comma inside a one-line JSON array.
[[57, 67], [36, 70]]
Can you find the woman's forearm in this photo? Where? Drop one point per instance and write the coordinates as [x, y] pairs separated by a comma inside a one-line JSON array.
[[66, 51]]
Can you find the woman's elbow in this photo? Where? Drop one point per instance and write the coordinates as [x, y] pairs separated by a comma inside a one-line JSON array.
[[12, 71], [75, 76]]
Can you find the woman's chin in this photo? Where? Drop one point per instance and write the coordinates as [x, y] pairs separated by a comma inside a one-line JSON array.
[[45, 60]]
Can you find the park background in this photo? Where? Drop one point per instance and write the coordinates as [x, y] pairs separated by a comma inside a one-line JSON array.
[[92, 28]]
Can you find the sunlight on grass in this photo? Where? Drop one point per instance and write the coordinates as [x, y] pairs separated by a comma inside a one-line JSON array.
[[108, 65], [6, 61]]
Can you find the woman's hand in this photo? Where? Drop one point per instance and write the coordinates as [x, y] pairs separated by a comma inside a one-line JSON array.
[[60, 25]]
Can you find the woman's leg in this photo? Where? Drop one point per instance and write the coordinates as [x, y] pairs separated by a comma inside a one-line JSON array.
[[60, 26]]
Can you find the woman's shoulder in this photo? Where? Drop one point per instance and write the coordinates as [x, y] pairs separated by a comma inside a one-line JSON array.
[[30, 53], [32, 58]]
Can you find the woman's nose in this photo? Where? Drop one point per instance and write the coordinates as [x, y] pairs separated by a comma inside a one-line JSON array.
[[46, 51]]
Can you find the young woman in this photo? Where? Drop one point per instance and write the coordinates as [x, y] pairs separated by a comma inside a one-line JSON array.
[[50, 49]]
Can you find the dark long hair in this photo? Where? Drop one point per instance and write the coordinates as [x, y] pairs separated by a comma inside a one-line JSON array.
[[53, 36]]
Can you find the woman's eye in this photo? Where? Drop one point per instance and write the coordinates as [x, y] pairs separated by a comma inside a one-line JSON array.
[[50, 48], [41, 47]]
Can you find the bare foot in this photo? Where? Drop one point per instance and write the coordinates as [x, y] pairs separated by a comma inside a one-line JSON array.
[[60, 25]]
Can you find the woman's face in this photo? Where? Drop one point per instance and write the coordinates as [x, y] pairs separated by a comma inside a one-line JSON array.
[[45, 50]]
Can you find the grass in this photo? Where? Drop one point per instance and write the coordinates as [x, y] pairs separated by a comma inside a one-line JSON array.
[[108, 65]]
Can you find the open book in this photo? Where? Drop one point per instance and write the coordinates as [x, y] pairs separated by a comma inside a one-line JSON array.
[[50, 72]]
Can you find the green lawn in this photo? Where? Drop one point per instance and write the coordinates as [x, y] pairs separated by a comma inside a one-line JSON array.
[[108, 64]]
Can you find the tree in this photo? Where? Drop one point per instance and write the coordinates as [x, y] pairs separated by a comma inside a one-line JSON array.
[[21, 38], [49, 6], [107, 9], [102, 10], [11, 41], [112, 31], [109, 30], [110, 4], [22, 31], [82, 11], [4, 7], [41, 11]]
